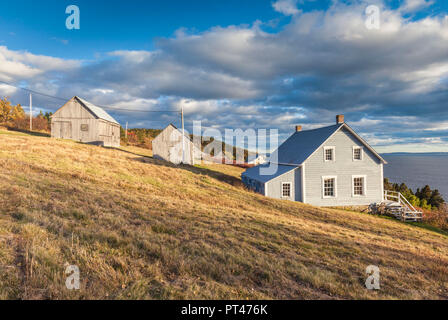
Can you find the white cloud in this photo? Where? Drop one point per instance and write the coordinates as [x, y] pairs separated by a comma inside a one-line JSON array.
[[16, 65], [286, 7], [320, 64], [136, 56], [6, 90], [410, 6]]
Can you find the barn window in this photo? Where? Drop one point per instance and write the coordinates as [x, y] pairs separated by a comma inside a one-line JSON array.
[[286, 189], [84, 127], [357, 153], [329, 187], [359, 185], [329, 154]]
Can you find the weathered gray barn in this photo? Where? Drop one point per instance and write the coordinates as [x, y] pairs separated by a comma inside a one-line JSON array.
[[168, 146], [330, 166], [82, 121]]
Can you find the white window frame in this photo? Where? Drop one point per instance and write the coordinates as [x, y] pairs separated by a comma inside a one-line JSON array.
[[333, 153], [362, 153], [364, 186], [290, 190], [335, 187]]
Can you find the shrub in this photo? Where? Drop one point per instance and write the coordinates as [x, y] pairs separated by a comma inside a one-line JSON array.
[[424, 198], [437, 218], [39, 124]]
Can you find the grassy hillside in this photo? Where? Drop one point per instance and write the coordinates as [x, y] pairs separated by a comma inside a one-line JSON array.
[[144, 229]]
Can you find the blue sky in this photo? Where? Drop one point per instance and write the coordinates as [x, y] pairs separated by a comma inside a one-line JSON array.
[[241, 64], [111, 25]]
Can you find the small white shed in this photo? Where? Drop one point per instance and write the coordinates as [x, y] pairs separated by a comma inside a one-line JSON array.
[[168, 146], [82, 121]]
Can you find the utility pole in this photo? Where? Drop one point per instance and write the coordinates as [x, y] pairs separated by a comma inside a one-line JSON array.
[[183, 136], [31, 112], [126, 129]]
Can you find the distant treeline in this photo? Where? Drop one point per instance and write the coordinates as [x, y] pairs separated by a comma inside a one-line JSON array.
[[14, 117], [139, 137], [424, 198]]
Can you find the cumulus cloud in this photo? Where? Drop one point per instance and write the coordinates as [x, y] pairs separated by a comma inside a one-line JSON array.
[[287, 7], [19, 65], [410, 6], [391, 83]]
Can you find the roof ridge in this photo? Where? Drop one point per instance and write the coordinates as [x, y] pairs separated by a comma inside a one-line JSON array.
[[100, 113], [320, 128]]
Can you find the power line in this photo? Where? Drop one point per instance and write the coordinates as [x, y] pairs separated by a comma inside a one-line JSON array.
[[109, 108], [122, 109], [32, 91]]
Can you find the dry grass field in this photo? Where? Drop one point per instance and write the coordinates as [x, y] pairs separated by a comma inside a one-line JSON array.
[[144, 229]]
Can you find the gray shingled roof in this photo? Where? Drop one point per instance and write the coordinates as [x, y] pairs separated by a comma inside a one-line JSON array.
[[301, 145], [97, 111], [254, 173], [298, 148]]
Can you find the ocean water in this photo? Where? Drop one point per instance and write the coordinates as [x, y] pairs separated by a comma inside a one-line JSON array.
[[418, 170]]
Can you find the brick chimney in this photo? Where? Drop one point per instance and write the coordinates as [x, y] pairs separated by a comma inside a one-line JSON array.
[[340, 119], [298, 128]]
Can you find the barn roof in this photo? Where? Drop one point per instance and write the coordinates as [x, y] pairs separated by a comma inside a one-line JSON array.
[[96, 111], [175, 128], [254, 173]]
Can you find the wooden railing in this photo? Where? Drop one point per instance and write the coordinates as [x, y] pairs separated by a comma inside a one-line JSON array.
[[409, 211]]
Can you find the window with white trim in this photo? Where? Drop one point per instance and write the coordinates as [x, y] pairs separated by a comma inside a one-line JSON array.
[[357, 153], [286, 189], [329, 154], [329, 187], [359, 186]]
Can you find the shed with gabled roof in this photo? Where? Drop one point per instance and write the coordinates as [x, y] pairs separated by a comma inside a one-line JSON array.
[[170, 146], [85, 122]]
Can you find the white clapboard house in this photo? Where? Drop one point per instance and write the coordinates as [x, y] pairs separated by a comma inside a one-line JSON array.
[[330, 166]]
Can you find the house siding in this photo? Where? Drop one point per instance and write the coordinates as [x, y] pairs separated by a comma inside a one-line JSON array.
[[274, 186], [344, 168]]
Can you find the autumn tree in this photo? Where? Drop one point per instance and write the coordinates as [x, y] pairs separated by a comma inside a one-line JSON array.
[[48, 116], [5, 110], [17, 113]]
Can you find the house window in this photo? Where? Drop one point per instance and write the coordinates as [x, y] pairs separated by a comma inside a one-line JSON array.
[[359, 186], [84, 127], [357, 153], [329, 187], [286, 190], [329, 154]]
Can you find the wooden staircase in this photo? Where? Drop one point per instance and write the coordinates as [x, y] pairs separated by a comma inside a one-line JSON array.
[[396, 205]]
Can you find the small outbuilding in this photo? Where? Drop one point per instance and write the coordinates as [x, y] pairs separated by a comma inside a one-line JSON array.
[[85, 122], [170, 146]]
